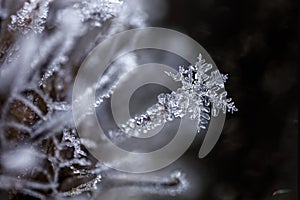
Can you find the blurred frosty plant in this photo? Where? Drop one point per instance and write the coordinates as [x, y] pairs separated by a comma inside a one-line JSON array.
[[42, 44]]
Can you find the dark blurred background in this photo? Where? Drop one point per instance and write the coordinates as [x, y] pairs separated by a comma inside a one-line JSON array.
[[255, 42]]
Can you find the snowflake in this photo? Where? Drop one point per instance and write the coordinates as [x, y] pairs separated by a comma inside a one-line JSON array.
[[198, 97]]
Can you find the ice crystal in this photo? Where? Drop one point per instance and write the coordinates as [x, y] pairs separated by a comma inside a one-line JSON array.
[[89, 186], [95, 12], [198, 97], [32, 17]]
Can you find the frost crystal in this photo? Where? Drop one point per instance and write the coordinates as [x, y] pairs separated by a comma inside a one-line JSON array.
[[198, 97], [85, 187], [98, 11], [32, 17]]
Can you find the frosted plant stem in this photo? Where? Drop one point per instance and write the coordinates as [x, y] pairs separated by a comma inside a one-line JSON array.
[[27, 187], [34, 193], [73, 22], [9, 182], [29, 104], [70, 29], [52, 127], [10, 73], [17, 125], [168, 185]]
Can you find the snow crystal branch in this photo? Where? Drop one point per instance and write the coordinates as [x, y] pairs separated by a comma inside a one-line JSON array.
[[198, 97]]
